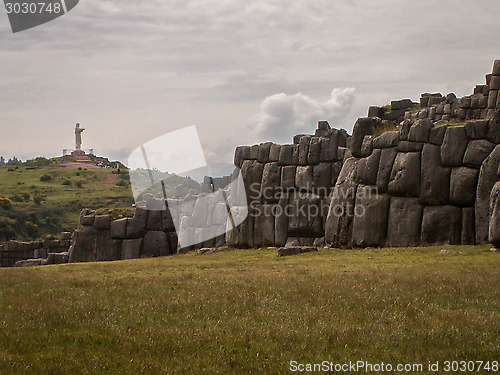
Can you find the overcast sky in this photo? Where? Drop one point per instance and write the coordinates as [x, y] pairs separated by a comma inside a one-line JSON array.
[[241, 71]]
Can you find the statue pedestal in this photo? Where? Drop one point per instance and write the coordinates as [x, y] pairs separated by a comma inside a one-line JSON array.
[[78, 153]]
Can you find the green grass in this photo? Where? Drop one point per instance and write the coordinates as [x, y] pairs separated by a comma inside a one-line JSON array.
[[248, 311], [62, 202]]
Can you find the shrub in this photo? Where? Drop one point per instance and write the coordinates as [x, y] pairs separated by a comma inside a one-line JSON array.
[[66, 182], [16, 198], [121, 183], [79, 183], [5, 202], [45, 177], [38, 198], [26, 196]]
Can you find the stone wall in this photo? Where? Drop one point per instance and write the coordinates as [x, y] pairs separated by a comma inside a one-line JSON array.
[[99, 238], [431, 177], [12, 252], [288, 187], [422, 185]]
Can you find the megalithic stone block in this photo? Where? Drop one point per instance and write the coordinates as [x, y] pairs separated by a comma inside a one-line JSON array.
[[329, 147], [264, 150], [314, 151], [494, 227], [84, 245], [419, 132], [132, 249], [441, 225], [435, 180], [476, 152], [274, 152], [107, 249], [156, 244], [288, 177], [468, 226], [304, 178], [405, 221], [362, 127], [370, 217], [304, 149], [494, 129], [368, 168], [387, 157], [305, 218], [487, 178], [264, 225], [286, 155], [322, 179], [463, 186], [338, 226], [281, 222], [405, 175], [454, 146], [271, 182]]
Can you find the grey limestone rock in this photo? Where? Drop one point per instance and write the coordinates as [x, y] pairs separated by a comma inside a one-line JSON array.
[[435, 180], [370, 217], [132, 248], [454, 146], [405, 175], [488, 176], [441, 225], [476, 152], [463, 186], [405, 220]]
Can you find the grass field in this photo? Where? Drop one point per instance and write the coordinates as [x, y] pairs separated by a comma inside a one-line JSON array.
[[248, 311]]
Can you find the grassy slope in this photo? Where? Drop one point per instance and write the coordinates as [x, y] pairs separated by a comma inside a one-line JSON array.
[[63, 203], [248, 311]]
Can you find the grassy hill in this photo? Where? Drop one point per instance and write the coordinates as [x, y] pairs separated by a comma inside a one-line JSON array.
[[46, 198], [248, 311]]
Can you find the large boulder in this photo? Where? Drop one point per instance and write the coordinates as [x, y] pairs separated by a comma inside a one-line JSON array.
[[305, 218], [370, 217], [405, 220], [494, 229], [132, 249], [304, 178], [419, 132], [362, 127], [322, 179], [435, 180], [83, 245], [386, 140], [468, 226], [441, 225], [156, 243], [387, 157], [368, 168], [338, 226], [488, 176], [463, 186], [264, 225], [476, 152], [454, 145], [107, 248], [405, 175], [271, 181]]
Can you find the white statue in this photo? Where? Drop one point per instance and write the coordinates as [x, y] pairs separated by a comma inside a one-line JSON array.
[[78, 137]]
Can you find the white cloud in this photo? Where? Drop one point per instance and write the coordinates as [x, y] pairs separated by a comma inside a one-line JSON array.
[[282, 116]]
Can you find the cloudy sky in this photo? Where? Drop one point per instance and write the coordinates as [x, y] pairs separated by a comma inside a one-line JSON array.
[[241, 71]]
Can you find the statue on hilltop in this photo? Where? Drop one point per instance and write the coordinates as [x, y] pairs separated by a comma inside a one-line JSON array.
[[78, 137]]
